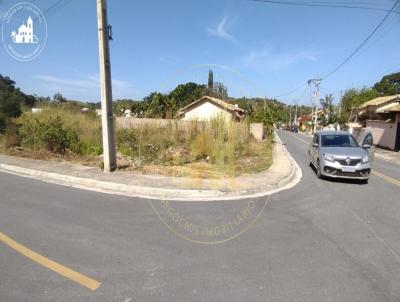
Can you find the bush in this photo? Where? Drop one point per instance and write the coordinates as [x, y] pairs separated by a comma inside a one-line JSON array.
[[54, 136], [2, 122], [11, 136], [218, 140], [126, 141], [60, 130]]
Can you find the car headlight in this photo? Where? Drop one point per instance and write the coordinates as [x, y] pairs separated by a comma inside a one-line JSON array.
[[329, 157], [365, 159]]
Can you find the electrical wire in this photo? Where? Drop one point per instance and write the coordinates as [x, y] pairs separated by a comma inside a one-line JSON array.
[[358, 48], [54, 6], [327, 5], [49, 9], [289, 92]]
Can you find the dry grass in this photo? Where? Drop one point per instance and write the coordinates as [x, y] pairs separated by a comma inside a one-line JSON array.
[[213, 149], [200, 149]]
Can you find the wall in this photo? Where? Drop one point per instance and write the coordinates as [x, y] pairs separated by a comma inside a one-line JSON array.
[[131, 122], [256, 129], [384, 134], [206, 111]]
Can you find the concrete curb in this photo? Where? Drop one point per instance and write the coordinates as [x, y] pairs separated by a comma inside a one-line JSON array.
[[157, 193]]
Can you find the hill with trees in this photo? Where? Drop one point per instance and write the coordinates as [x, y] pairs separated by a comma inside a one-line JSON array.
[[11, 101]]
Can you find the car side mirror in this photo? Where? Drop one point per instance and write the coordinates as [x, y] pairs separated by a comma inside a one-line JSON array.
[[315, 145], [366, 146]]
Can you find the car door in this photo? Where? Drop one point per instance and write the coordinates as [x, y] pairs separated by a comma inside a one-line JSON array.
[[367, 142], [315, 150]]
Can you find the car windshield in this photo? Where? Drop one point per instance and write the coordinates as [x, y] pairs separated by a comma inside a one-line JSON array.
[[338, 140]]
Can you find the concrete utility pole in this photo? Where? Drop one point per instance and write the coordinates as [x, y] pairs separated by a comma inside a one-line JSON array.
[[290, 117], [340, 109], [316, 83], [295, 114], [107, 118]]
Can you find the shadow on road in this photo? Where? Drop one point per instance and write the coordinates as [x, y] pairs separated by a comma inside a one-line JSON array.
[[340, 180]]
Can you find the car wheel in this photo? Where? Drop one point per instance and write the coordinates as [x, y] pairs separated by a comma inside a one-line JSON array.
[[319, 174]]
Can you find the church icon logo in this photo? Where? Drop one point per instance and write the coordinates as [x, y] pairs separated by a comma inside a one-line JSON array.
[[24, 31]]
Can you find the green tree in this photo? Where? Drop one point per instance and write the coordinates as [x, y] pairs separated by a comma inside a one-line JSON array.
[[58, 98], [122, 106], [157, 105], [210, 80], [352, 99], [219, 91], [10, 101], [329, 116], [389, 85]]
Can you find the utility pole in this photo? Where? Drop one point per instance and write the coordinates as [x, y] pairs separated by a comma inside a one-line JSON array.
[[295, 115], [316, 83], [340, 109], [107, 118], [290, 117], [286, 125]]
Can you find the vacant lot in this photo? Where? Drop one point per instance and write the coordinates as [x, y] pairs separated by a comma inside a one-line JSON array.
[[216, 148]]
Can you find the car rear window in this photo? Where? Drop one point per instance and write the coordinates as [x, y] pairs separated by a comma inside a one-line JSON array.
[[338, 140]]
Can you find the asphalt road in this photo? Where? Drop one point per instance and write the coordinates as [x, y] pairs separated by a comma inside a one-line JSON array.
[[319, 241]]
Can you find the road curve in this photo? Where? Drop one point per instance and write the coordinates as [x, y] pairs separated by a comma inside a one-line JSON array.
[[319, 241]]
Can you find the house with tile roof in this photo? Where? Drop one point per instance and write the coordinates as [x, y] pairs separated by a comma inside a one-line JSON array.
[[382, 116], [208, 107]]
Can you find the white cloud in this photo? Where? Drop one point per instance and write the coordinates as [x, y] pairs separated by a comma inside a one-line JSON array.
[[86, 87], [221, 30], [269, 60]]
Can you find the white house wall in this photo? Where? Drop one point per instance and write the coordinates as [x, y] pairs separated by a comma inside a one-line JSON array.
[[206, 111], [384, 134]]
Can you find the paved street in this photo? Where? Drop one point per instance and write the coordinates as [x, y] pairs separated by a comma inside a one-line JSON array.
[[319, 241]]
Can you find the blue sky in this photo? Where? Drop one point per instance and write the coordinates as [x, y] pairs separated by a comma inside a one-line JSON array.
[[255, 49]]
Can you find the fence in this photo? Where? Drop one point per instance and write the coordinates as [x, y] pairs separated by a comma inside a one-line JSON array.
[[256, 129]]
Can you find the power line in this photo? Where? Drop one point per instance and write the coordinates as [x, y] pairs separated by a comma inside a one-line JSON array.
[[289, 92], [363, 43], [48, 9], [54, 6], [327, 5]]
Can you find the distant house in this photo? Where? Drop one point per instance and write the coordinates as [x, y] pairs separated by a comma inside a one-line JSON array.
[[208, 107], [36, 110], [382, 117]]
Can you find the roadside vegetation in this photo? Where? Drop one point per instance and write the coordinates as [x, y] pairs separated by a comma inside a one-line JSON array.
[[216, 148], [213, 149], [352, 98], [61, 130]]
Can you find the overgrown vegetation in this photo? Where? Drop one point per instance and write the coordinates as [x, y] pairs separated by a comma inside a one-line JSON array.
[[12, 101], [62, 129], [219, 145], [56, 130]]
